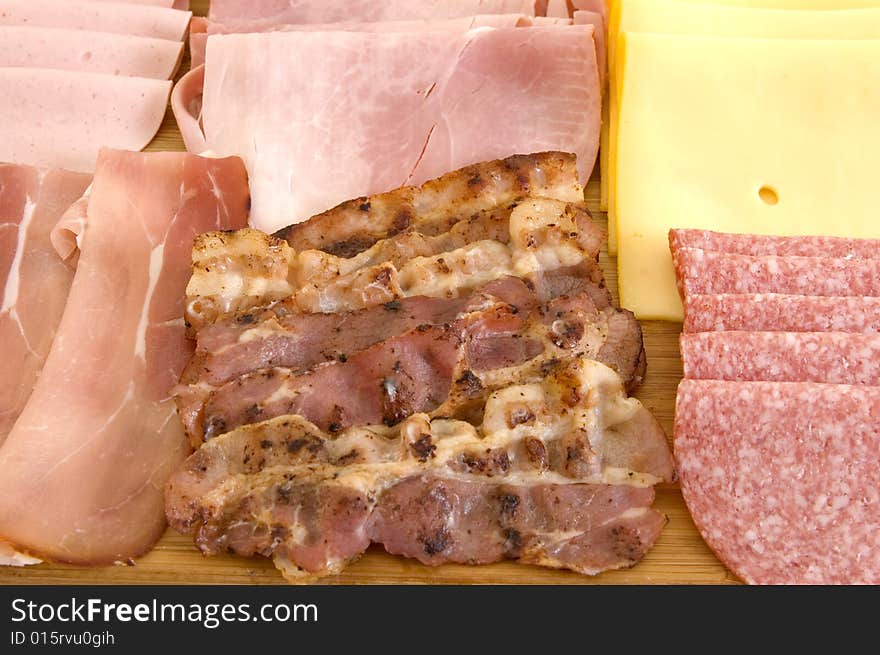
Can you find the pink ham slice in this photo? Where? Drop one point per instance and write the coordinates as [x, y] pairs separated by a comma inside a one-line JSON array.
[[89, 52], [477, 96], [134, 19], [60, 119], [201, 28], [594, 19], [267, 12], [81, 473], [34, 281]]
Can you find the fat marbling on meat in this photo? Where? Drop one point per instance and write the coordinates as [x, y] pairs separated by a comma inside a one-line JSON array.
[[34, 281], [82, 472], [542, 453]]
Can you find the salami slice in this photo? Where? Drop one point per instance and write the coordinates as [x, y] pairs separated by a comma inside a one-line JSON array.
[[759, 244], [705, 272], [706, 313], [781, 478], [833, 357]]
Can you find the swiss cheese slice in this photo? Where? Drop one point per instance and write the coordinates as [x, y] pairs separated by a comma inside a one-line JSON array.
[[757, 18], [768, 136]]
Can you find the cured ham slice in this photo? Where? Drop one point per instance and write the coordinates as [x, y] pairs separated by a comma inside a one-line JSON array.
[[134, 19], [34, 281], [594, 19], [276, 12], [81, 473], [401, 127], [89, 52], [57, 118]]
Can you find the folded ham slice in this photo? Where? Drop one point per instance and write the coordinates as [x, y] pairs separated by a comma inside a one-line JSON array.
[[135, 19], [57, 118], [81, 473], [34, 281], [481, 95], [89, 52]]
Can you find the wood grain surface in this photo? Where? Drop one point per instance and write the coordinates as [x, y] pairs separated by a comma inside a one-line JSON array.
[[679, 557]]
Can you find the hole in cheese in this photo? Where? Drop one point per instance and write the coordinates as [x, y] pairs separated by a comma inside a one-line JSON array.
[[768, 195]]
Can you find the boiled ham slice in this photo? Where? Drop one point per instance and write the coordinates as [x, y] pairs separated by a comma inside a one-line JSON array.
[[89, 52], [34, 281], [263, 12], [60, 119], [201, 28], [134, 19], [82, 472], [374, 120]]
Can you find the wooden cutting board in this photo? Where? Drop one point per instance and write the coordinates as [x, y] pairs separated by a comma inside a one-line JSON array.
[[679, 556]]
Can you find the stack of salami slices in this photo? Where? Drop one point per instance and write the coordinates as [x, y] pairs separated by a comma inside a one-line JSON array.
[[777, 428]]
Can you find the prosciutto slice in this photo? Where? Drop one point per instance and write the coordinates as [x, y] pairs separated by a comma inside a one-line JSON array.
[[81, 473], [89, 52], [34, 281], [119, 18], [392, 123], [57, 118]]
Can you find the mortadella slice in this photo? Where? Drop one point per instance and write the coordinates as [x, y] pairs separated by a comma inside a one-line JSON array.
[[60, 119], [401, 127], [134, 19], [89, 52], [82, 472], [34, 281]]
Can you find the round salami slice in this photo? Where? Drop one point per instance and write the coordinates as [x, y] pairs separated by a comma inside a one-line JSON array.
[[782, 478], [773, 311]]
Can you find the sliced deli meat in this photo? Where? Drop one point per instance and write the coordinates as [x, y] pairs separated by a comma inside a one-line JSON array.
[[260, 13], [704, 272], [833, 357], [773, 311], [783, 246], [58, 118], [439, 115], [34, 281], [89, 52], [82, 472], [202, 28], [781, 478], [115, 17]]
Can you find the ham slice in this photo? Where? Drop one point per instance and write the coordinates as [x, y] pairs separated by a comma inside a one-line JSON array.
[[81, 473], [401, 127], [34, 281], [89, 52], [257, 13], [60, 119], [134, 19], [201, 28], [595, 19]]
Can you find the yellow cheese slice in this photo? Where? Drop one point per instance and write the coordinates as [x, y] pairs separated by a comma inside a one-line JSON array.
[[723, 18], [713, 130]]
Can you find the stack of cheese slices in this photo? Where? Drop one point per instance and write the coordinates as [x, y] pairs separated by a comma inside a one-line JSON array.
[[754, 116]]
